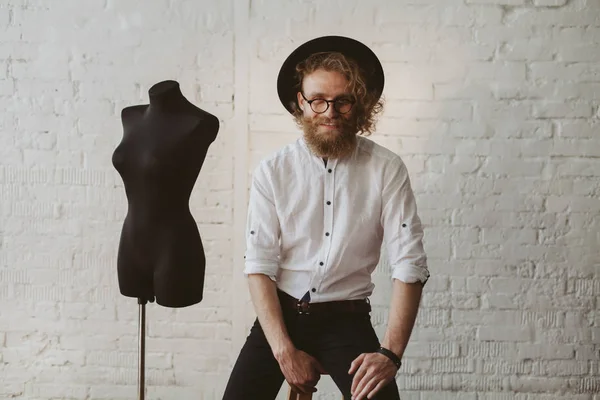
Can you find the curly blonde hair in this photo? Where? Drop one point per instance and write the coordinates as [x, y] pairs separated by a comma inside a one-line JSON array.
[[367, 106]]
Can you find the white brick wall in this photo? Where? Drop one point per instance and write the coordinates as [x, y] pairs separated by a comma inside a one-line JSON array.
[[494, 105]]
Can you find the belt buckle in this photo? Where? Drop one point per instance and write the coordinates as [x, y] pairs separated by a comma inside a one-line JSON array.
[[303, 308]]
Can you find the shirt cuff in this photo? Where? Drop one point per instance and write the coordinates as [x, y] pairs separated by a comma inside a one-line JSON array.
[[410, 273], [265, 267]]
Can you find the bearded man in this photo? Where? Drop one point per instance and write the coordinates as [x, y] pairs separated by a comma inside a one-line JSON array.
[[319, 211]]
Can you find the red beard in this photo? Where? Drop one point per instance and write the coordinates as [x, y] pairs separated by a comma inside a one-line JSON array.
[[330, 143]]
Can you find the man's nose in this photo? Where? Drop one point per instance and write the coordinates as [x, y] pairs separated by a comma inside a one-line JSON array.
[[331, 112]]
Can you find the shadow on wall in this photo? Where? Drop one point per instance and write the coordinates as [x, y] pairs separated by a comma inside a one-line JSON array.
[[503, 161]]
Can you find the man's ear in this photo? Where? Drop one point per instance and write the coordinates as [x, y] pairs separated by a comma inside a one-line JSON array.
[[300, 101]]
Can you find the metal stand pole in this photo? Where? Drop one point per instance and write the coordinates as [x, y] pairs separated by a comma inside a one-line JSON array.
[[142, 348]]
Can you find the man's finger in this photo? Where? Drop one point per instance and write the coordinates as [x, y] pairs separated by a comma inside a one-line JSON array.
[[377, 388], [356, 363], [360, 378], [369, 384]]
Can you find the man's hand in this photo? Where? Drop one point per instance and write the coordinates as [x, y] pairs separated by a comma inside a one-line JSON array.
[[373, 371], [301, 370]]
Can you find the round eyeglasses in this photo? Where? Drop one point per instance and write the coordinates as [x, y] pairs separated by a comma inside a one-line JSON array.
[[342, 105]]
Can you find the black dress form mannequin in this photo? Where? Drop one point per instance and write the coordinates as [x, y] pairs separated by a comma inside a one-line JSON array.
[[159, 158]]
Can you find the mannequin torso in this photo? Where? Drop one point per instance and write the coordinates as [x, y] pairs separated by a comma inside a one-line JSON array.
[[159, 158]]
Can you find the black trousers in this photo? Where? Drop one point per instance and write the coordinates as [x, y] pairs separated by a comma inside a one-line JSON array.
[[334, 340]]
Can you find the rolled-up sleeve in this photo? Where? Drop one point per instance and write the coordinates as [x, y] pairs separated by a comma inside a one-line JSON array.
[[402, 229], [262, 226]]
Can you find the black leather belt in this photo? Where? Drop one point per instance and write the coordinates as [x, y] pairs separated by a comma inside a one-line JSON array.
[[326, 308]]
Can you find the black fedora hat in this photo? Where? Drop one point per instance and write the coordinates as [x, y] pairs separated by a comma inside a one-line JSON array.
[[351, 48]]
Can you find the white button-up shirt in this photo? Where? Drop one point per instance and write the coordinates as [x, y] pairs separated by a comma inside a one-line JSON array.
[[319, 228]]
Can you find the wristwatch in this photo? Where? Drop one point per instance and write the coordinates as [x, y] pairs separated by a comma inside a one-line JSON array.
[[391, 355]]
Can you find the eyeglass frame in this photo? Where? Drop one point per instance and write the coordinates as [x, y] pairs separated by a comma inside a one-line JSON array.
[[351, 100]]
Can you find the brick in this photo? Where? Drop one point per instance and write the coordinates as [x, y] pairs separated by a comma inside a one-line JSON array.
[[493, 34], [203, 363], [12, 390], [453, 91], [111, 392], [439, 395], [7, 87], [472, 15], [537, 385], [554, 70], [400, 52], [468, 129], [477, 384], [190, 330], [578, 53], [499, 71], [440, 300], [578, 34], [545, 17], [585, 385], [500, 301], [500, 110], [89, 343], [426, 14], [528, 129], [432, 350], [52, 391], [501, 396], [595, 335], [522, 334], [584, 287], [576, 204], [577, 129], [579, 168], [561, 368], [419, 382], [451, 110], [515, 168], [567, 335], [498, 2], [412, 88], [508, 318], [501, 367], [562, 110], [582, 148], [64, 358], [505, 236], [549, 3], [533, 50], [431, 317], [454, 365], [272, 123]]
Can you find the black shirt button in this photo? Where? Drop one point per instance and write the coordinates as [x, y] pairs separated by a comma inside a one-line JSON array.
[[321, 263], [252, 232], [327, 234], [329, 170], [314, 290], [328, 203], [404, 225]]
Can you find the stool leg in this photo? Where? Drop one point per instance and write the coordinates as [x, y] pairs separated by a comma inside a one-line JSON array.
[[293, 395]]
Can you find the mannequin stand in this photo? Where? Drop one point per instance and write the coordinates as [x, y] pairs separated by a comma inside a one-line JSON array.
[[142, 348]]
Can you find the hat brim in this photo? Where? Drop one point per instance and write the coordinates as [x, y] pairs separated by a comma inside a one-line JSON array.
[[364, 56]]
